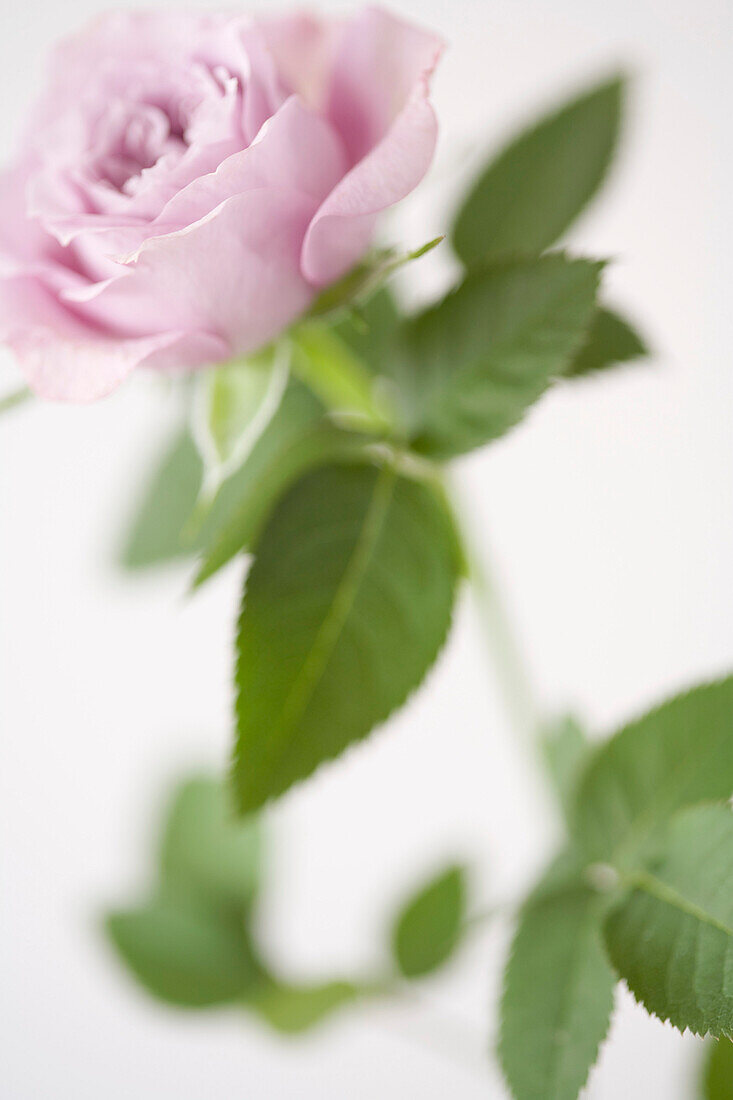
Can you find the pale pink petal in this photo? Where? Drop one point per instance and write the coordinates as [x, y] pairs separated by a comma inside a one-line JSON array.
[[296, 150], [379, 104], [381, 64], [234, 273], [63, 360], [304, 49], [343, 226]]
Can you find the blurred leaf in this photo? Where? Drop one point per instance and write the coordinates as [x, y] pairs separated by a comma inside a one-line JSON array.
[[169, 524], [676, 755], [566, 750], [234, 404], [291, 1009], [207, 849], [366, 277], [294, 444], [14, 398], [429, 927], [610, 341], [717, 1083], [186, 955], [370, 333], [346, 606], [558, 990], [476, 361], [331, 369], [531, 192], [156, 533], [671, 939]]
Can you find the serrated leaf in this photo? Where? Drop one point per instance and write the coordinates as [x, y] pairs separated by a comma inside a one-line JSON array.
[[346, 606], [233, 406], [207, 849], [292, 1009], [183, 954], [532, 191], [558, 990], [610, 340], [566, 749], [671, 939], [156, 534], [717, 1082], [676, 755], [298, 440], [428, 928], [475, 362]]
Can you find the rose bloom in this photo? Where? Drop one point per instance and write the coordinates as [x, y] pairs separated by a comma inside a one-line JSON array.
[[188, 182]]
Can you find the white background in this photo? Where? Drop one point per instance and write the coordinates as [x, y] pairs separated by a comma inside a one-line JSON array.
[[609, 518]]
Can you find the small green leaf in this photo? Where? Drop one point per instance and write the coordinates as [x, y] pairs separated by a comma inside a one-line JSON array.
[[429, 927], [299, 439], [331, 369], [156, 533], [207, 849], [717, 1083], [234, 404], [346, 606], [671, 939], [676, 755], [291, 1009], [370, 333], [532, 191], [183, 954], [474, 363], [558, 990], [610, 340], [366, 277], [14, 398], [566, 750]]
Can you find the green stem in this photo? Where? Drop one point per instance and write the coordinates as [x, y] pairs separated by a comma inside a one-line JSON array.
[[15, 398], [520, 701]]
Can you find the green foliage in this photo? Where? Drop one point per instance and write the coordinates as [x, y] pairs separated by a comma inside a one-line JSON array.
[[207, 849], [193, 944], [156, 534], [371, 332], [365, 278], [429, 926], [558, 990], [671, 938], [331, 369], [474, 363], [610, 340], [529, 195], [676, 755], [234, 405], [346, 606], [296, 442], [185, 954], [717, 1082], [14, 398], [190, 945], [566, 749], [291, 1009]]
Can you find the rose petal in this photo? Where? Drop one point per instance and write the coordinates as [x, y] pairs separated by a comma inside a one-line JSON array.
[[398, 117], [234, 273]]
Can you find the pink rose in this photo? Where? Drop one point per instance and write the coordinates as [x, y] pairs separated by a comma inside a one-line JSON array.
[[188, 182]]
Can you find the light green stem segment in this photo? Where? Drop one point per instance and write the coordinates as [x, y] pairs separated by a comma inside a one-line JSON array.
[[16, 397], [519, 697]]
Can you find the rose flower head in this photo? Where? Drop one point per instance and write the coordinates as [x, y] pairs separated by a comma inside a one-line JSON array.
[[189, 182]]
